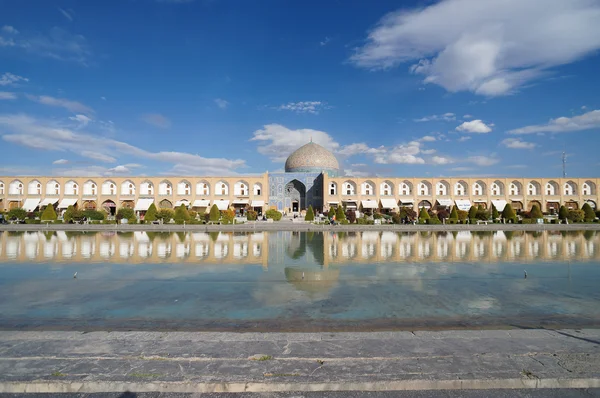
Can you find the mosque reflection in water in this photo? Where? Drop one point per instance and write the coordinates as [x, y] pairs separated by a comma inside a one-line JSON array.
[[325, 249]]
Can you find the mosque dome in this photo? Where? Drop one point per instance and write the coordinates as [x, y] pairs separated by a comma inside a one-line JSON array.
[[312, 158]]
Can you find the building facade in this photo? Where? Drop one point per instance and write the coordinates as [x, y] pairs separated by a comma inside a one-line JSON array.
[[311, 178]]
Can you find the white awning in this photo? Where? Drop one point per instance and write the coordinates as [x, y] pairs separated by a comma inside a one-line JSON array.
[[445, 202], [463, 204], [333, 202], [222, 204], [499, 204], [369, 204], [388, 203], [201, 203], [240, 201], [30, 204], [143, 204], [258, 203], [66, 203], [182, 202], [48, 201], [553, 201], [407, 201]]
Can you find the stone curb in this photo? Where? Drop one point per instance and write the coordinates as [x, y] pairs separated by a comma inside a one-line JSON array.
[[56, 387]]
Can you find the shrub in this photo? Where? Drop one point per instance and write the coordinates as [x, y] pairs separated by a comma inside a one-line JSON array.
[[123, 212], [94, 215], [165, 215], [508, 213], [251, 215], [535, 212], [227, 216], [396, 219], [310, 214], [17, 213], [72, 214], [472, 213], [495, 213], [588, 212], [433, 221], [273, 214], [576, 215], [528, 221], [463, 215], [423, 215], [151, 213], [49, 214], [563, 212], [181, 215], [482, 214], [453, 213], [408, 212], [215, 214], [442, 214], [340, 215]]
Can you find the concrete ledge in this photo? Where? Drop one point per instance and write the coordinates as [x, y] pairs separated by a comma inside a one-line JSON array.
[[183, 387]]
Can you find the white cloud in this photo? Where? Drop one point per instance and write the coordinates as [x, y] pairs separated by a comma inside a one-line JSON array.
[[5, 95], [278, 142], [428, 151], [73, 106], [49, 135], [449, 116], [98, 156], [9, 30], [464, 138], [404, 153], [357, 173], [587, 121], [103, 98], [60, 161], [120, 169], [83, 120], [313, 107], [359, 165], [221, 103], [467, 116], [57, 44], [66, 14], [461, 168], [428, 138], [359, 148], [9, 79], [474, 126], [325, 41], [517, 143], [440, 160], [157, 120], [487, 47], [483, 160]]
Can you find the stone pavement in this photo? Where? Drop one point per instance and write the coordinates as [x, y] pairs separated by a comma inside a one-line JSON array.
[[188, 362]]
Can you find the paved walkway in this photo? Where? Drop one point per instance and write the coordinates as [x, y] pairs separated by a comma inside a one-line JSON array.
[[181, 362]]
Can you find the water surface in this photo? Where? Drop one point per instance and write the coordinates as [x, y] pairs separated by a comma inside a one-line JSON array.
[[298, 281]]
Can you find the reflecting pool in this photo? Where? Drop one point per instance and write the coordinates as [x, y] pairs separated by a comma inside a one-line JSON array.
[[298, 281]]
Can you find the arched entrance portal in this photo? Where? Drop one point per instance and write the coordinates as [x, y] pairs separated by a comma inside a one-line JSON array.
[[295, 196], [110, 207]]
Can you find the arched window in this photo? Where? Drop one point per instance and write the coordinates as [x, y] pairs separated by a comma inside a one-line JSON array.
[[1, 188], [442, 188], [515, 188], [460, 188], [39, 188], [202, 189], [424, 188], [113, 189], [333, 188], [240, 188], [551, 188], [588, 188], [257, 189], [367, 188], [53, 188], [478, 188], [187, 189], [348, 188], [497, 188], [386, 189], [533, 188], [222, 188], [570, 188], [405, 188]]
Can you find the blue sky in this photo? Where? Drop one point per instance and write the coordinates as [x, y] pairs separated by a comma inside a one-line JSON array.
[[222, 87]]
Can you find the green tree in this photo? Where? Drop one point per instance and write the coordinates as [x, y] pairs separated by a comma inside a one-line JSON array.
[[472, 213], [17, 213], [151, 213], [423, 215], [215, 214], [251, 215], [508, 213], [94, 215], [563, 212], [129, 214], [495, 213], [482, 214], [589, 214], [181, 215], [535, 212], [72, 214], [463, 215], [49, 214], [310, 214], [454, 213], [340, 215]]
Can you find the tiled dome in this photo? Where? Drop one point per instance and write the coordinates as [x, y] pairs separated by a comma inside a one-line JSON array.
[[312, 158]]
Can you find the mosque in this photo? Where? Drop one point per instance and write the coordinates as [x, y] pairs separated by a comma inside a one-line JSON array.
[[312, 177]]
